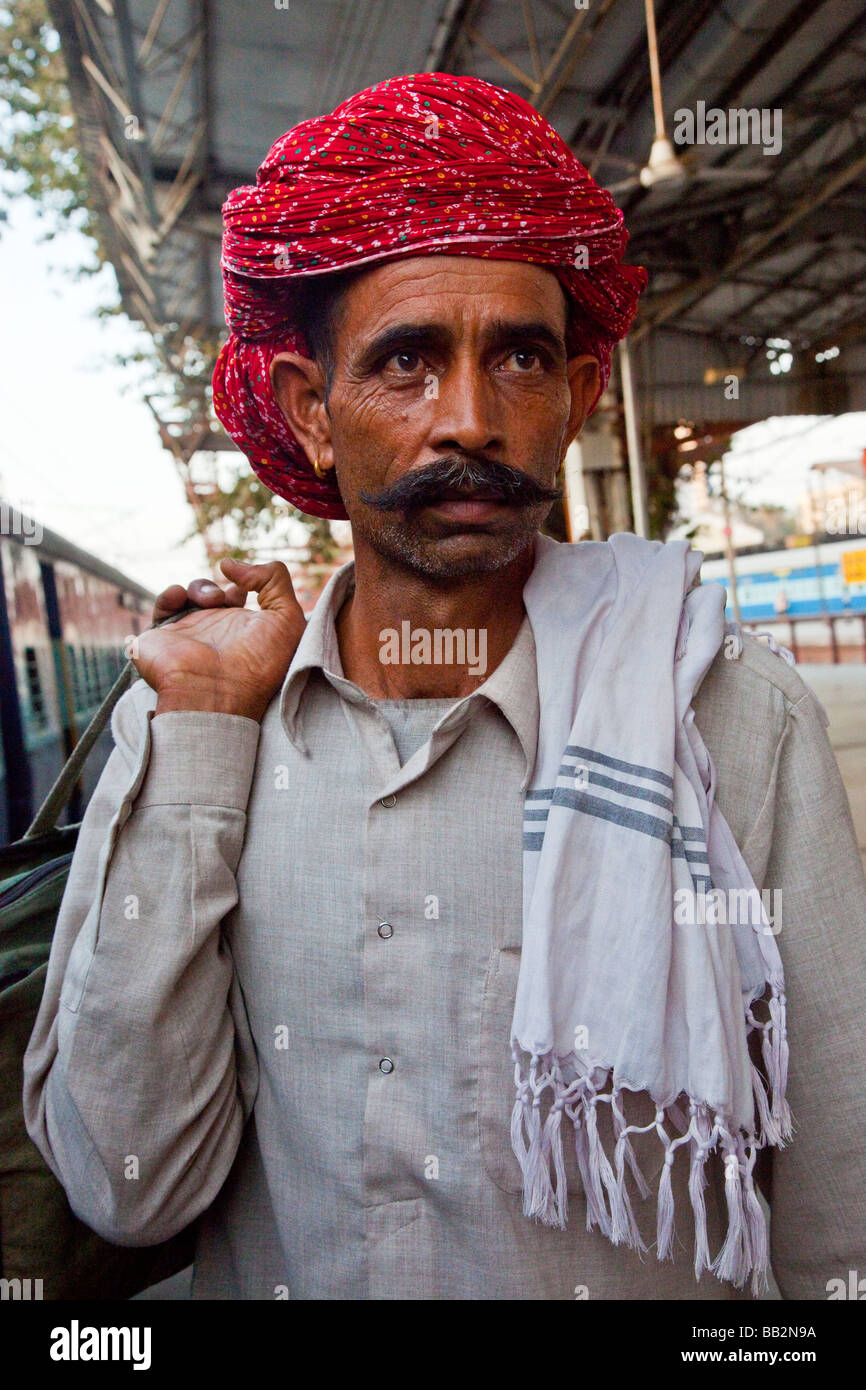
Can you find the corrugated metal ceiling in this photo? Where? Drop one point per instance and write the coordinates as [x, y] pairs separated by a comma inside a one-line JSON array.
[[211, 83]]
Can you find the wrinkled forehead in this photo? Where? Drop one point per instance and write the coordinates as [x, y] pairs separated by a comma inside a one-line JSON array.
[[439, 288]]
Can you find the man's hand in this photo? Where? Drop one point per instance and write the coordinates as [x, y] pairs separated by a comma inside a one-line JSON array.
[[223, 659]]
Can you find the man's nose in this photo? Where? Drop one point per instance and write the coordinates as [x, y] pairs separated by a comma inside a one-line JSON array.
[[465, 412]]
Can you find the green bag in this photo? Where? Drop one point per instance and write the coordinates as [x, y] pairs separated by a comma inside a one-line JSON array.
[[41, 1239]]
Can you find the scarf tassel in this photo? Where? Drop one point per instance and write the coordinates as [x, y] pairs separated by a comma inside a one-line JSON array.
[[665, 1223], [621, 1219], [776, 1124], [697, 1186], [596, 1211], [757, 1227], [734, 1260], [744, 1251]]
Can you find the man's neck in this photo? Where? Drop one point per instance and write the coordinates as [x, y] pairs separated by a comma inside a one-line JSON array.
[[394, 615]]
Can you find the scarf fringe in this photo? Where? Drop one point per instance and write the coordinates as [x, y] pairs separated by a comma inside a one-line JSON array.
[[775, 1121], [537, 1142]]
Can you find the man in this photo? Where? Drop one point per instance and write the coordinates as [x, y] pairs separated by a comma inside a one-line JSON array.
[[292, 945]]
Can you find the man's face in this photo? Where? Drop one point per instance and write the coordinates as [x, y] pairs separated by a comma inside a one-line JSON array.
[[450, 410]]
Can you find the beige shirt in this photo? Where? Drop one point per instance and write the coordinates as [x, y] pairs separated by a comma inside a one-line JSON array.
[[281, 988]]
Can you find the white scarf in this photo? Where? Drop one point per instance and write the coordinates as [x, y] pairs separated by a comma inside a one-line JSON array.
[[621, 827]]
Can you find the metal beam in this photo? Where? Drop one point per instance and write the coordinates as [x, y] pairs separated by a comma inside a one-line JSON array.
[[769, 290], [794, 88], [501, 58], [448, 30], [142, 149], [102, 82], [771, 47], [572, 44], [152, 29], [531, 40], [690, 294], [205, 157], [822, 293], [829, 294], [177, 90], [852, 331], [86, 24]]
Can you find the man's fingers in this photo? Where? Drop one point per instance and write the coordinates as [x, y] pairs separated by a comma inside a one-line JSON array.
[[206, 594], [235, 596], [169, 601], [244, 579], [272, 583]]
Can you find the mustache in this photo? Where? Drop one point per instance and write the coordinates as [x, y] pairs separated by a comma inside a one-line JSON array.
[[461, 473]]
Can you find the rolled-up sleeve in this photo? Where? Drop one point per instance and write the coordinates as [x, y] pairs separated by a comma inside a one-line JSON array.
[[141, 1070]]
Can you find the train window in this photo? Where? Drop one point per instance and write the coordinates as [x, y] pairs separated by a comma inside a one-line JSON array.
[[34, 689], [93, 695], [107, 663], [75, 675]]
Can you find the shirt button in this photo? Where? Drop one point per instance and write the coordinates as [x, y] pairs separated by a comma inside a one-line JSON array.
[[388, 800], [386, 1066], [385, 930]]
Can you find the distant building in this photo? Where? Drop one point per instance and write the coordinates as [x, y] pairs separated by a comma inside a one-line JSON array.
[[704, 518], [835, 506]]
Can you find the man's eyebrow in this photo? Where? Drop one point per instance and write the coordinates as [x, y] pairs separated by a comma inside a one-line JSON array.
[[401, 337], [505, 332]]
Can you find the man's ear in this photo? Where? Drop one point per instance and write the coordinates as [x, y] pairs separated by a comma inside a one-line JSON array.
[[584, 379], [299, 388]]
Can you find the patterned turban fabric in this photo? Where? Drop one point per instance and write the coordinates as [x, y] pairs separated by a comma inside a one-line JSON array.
[[412, 166]]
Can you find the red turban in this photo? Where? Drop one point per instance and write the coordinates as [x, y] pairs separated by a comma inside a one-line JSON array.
[[414, 165]]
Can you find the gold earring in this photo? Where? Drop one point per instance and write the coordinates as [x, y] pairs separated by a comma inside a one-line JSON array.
[[318, 469]]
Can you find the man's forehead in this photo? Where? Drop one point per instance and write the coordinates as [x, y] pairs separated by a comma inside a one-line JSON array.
[[433, 288]]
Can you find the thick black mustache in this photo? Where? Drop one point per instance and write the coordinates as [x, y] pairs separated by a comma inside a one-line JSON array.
[[422, 486]]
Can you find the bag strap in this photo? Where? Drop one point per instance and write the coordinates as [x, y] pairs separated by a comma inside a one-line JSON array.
[[47, 816]]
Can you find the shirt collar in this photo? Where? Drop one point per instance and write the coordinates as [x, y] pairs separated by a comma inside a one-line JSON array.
[[512, 686]]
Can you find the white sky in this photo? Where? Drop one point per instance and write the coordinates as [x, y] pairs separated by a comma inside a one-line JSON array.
[[79, 449], [78, 446]]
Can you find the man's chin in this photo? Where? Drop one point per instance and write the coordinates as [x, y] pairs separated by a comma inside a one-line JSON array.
[[457, 552]]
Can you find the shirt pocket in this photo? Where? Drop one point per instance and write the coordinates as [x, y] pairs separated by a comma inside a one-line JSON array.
[[496, 1096]]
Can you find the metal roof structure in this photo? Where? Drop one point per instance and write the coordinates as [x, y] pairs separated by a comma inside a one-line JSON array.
[[179, 100]]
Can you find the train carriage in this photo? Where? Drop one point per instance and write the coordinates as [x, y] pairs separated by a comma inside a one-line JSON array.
[[64, 618], [812, 596]]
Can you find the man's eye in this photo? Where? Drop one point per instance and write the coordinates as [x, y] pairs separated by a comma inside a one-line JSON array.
[[404, 361], [524, 360]]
